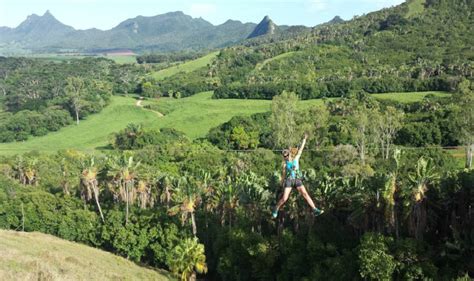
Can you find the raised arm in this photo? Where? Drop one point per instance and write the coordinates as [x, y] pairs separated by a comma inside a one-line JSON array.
[[300, 150]]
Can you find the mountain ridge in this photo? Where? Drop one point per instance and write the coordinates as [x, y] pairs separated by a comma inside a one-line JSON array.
[[170, 31]]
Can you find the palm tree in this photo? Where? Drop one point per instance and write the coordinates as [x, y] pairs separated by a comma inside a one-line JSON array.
[[26, 170], [144, 194], [31, 172], [89, 184], [187, 258], [254, 196], [165, 184], [123, 169], [19, 168], [144, 187], [415, 195], [186, 198], [226, 197], [389, 191]]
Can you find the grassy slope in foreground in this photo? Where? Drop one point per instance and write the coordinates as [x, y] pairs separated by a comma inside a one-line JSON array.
[[194, 116], [37, 256], [185, 67]]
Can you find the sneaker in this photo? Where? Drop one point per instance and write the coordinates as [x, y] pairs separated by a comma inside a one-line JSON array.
[[317, 212], [274, 213]]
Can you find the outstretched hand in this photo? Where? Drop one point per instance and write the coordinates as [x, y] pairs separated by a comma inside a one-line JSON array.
[[305, 135]]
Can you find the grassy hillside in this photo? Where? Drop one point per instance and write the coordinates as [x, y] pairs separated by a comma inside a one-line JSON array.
[[95, 132], [65, 57], [37, 256], [197, 114], [90, 133], [185, 67], [122, 59], [397, 49], [194, 116]]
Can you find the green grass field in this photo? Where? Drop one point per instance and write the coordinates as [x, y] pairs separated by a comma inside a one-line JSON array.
[[185, 67], [122, 59], [459, 155], [66, 57], [409, 97], [193, 115], [91, 133], [38, 256]]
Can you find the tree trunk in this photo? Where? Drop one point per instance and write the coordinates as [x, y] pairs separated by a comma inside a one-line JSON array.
[[192, 277], [126, 203], [469, 152], [77, 117], [95, 188], [193, 221], [66, 188], [222, 218]]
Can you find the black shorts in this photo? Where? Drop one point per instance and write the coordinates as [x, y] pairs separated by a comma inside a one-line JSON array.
[[293, 183]]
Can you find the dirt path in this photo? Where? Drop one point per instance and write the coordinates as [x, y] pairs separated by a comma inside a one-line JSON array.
[[139, 104]]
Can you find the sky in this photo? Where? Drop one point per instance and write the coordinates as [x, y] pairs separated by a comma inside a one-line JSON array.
[[105, 14]]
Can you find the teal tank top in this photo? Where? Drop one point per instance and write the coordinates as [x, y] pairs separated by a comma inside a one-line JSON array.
[[293, 169]]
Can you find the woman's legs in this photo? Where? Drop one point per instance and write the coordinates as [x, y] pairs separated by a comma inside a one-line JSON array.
[[284, 197], [302, 191]]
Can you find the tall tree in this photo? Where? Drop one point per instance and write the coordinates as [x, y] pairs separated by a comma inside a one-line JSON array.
[[388, 123], [186, 198], [363, 130], [123, 169], [76, 90], [415, 195], [464, 98], [283, 120], [254, 197], [89, 183]]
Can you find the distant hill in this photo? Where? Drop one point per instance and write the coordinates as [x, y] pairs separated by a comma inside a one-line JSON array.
[[267, 31], [172, 31], [335, 20], [38, 256], [419, 45], [265, 27], [36, 30]]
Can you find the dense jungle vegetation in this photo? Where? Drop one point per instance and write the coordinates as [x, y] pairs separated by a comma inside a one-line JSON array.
[[396, 193]]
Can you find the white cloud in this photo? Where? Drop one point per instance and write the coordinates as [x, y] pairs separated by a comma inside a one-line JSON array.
[[201, 9]]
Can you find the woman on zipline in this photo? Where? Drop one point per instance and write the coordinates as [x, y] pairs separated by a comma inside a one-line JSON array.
[[292, 178]]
